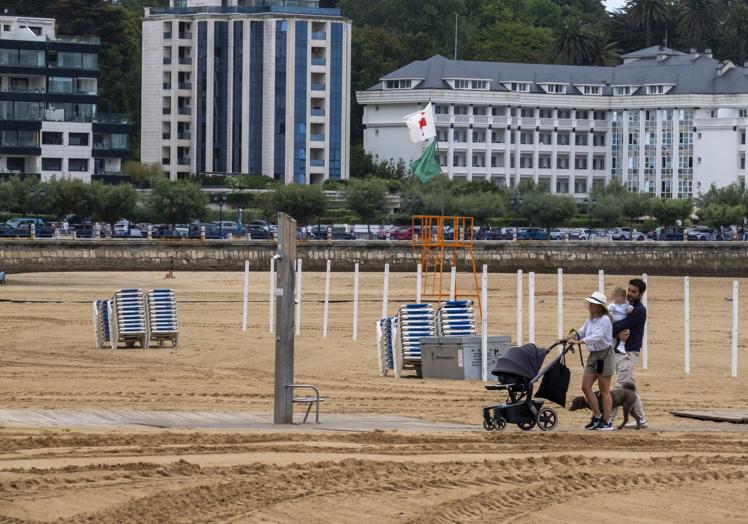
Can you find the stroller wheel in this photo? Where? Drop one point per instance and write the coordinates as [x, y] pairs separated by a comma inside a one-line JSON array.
[[526, 425], [499, 423], [547, 419], [488, 424]]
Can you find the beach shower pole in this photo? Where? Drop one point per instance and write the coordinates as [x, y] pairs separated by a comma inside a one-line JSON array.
[[327, 301], [298, 297], [284, 328], [686, 327], [271, 292], [418, 284], [531, 307], [246, 295], [519, 307], [734, 360], [386, 290], [560, 304], [601, 281], [645, 344], [453, 283], [355, 302], [484, 325]]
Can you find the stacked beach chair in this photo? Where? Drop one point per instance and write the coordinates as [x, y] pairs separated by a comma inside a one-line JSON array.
[[101, 313], [456, 318], [161, 305], [414, 321], [385, 342], [128, 322]]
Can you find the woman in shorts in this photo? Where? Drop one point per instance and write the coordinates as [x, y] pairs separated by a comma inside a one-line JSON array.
[[597, 335]]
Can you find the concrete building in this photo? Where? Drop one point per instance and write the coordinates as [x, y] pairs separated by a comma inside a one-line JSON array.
[[49, 124], [663, 122], [247, 86]]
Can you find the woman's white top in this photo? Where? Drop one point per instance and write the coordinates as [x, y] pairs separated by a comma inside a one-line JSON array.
[[597, 333]]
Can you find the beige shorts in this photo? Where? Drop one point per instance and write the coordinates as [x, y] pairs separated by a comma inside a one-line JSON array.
[[601, 362]]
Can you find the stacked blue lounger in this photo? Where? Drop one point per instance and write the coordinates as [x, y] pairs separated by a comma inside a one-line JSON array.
[[162, 316], [101, 313], [414, 321], [456, 318], [385, 343], [128, 320]]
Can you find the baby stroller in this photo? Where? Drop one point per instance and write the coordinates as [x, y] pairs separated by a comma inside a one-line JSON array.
[[517, 371]]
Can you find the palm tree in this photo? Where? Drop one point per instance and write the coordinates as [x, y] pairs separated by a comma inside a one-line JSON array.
[[605, 53], [699, 18], [573, 42], [645, 13], [737, 27]]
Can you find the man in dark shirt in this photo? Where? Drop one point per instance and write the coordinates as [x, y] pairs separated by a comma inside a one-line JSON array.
[[631, 331]]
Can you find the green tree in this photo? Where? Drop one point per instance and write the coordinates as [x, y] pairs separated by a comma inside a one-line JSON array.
[[634, 206], [71, 197], [265, 203], [700, 19], [670, 211], [366, 198], [177, 202], [482, 206], [737, 27], [722, 215], [729, 195], [142, 174], [645, 13], [547, 210], [114, 202], [608, 211], [304, 203], [573, 42], [23, 195]]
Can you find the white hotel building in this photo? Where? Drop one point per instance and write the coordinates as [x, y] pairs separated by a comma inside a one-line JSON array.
[[663, 122], [247, 86]]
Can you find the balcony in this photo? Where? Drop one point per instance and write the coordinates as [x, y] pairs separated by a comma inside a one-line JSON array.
[[317, 137], [319, 35], [185, 85], [167, 86], [167, 35], [167, 60], [185, 60], [166, 111], [185, 135], [317, 162], [23, 89], [185, 35], [166, 136], [165, 161], [318, 87], [112, 118], [184, 161], [317, 112], [185, 110], [318, 62]]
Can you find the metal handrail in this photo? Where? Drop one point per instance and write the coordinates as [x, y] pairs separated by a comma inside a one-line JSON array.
[[317, 401]]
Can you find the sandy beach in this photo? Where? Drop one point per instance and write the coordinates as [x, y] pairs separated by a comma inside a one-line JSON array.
[[678, 470]]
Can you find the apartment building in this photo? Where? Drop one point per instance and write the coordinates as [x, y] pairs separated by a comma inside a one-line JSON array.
[[247, 86], [663, 122], [49, 124]]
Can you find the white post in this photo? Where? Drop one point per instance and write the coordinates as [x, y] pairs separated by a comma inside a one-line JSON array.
[[560, 303], [686, 327], [385, 290], [271, 299], [452, 283], [734, 364], [531, 307], [418, 284], [645, 345], [355, 302], [484, 325], [327, 301], [519, 307], [246, 295], [298, 297], [601, 281]]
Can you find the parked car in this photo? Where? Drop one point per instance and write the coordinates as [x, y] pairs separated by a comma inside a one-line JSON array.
[[557, 234], [530, 233], [402, 233], [211, 231], [18, 222], [699, 233], [229, 226], [259, 232], [626, 233]]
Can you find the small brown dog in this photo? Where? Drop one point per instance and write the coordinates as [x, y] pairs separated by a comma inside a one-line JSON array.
[[623, 397]]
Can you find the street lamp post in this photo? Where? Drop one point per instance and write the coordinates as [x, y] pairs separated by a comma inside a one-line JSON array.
[[516, 203], [590, 205], [221, 198]]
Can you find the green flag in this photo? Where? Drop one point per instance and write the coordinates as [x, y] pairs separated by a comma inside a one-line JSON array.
[[426, 167]]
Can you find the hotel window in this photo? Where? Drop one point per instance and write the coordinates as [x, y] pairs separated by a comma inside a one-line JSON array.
[[598, 163], [562, 185], [743, 113], [580, 162], [546, 113], [580, 185], [599, 115], [480, 110], [562, 162], [581, 139], [479, 160], [658, 89], [479, 135], [462, 84], [545, 138], [555, 89], [460, 135], [525, 161], [77, 164], [544, 161], [442, 134], [598, 139], [460, 110], [583, 115], [527, 112], [623, 90], [497, 137], [458, 160], [51, 164], [497, 160], [440, 109], [592, 90], [398, 84], [564, 114], [520, 87], [563, 139], [526, 137]]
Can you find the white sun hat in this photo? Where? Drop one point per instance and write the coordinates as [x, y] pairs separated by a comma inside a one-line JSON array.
[[598, 298]]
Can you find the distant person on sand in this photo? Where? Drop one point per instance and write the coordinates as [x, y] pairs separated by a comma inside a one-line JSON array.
[[630, 330], [170, 274]]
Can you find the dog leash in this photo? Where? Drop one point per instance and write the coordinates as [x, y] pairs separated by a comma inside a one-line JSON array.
[[579, 345]]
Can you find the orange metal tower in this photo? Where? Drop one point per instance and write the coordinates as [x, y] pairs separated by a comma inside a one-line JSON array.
[[440, 240]]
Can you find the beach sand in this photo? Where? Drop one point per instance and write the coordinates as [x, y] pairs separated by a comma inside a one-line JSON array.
[[678, 470]]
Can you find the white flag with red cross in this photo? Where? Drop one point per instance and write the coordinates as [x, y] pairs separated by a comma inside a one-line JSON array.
[[421, 124]]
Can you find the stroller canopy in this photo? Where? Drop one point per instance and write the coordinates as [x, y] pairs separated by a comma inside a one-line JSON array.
[[523, 361]]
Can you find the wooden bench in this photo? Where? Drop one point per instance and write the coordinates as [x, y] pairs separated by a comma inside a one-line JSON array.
[[308, 400]]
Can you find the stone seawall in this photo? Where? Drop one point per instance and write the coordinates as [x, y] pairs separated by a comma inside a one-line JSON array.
[[656, 258]]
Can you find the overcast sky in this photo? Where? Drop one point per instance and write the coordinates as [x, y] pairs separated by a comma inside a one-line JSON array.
[[612, 5]]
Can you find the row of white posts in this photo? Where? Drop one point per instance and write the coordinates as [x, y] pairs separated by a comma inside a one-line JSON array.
[[484, 307]]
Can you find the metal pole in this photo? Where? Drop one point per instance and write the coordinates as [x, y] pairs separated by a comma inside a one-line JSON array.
[[645, 345], [298, 297], [531, 307], [519, 307], [418, 284], [284, 339], [484, 325], [734, 363], [271, 298], [601, 281], [560, 303], [686, 327], [453, 283], [455, 43], [355, 302], [386, 290], [327, 301], [246, 295]]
